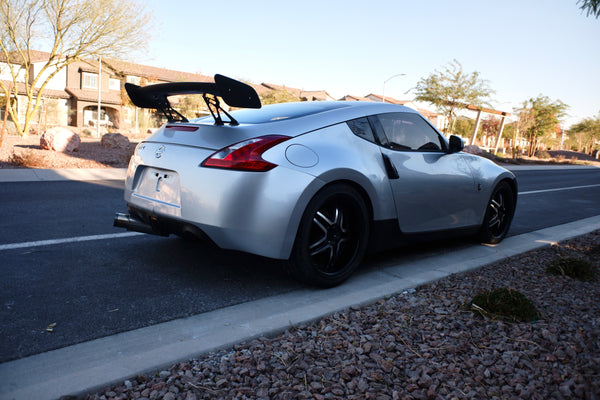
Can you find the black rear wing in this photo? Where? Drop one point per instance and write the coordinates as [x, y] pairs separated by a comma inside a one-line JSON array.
[[234, 93]]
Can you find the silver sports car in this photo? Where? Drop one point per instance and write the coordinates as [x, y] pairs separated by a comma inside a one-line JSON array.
[[317, 184]]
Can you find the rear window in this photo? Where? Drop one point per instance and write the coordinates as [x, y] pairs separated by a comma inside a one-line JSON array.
[[280, 112]]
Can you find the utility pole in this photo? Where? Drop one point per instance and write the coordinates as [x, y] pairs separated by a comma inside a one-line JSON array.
[[99, 96]]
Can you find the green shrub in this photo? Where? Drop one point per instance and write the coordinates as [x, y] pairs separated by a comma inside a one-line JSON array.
[[506, 303], [572, 267]]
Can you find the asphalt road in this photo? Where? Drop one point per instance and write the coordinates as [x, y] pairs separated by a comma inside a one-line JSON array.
[[95, 288]]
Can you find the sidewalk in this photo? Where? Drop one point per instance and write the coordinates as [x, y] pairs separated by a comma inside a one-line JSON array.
[[74, 174], [96, 174]]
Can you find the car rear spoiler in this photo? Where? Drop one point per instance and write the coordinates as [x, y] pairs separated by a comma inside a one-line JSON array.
[[234, 93]]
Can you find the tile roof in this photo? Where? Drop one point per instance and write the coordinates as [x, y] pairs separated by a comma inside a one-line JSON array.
[[292, 91], [388, 99], [309, 95], [349, 97], [106, 97], [55, 94], [427, 113], [154, 73], [34, 56], [315, 95], [92, 66]]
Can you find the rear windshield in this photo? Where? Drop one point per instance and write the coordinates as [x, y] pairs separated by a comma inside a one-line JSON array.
[[279, 112]]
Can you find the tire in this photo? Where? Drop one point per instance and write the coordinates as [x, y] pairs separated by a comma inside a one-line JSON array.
[[498, 215], [332, 237]]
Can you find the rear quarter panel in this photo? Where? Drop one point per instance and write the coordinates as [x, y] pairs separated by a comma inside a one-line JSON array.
[[342, 156]]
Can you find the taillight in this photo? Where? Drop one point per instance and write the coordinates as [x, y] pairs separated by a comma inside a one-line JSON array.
[[245, 155]]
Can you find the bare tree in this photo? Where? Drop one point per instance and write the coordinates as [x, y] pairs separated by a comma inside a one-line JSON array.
[[72, 30]]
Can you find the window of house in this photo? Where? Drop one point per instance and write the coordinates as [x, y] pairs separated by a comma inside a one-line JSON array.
[[89, 81], [114, 84], [408, 131], [134, 79]]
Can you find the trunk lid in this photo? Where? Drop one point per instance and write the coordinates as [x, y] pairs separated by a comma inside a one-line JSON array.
[[207, 136]]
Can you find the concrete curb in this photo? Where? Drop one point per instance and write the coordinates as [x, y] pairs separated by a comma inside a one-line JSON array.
[[95, 174], [66, 174], [93, 365]]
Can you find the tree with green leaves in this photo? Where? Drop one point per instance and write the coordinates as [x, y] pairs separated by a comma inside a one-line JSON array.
[[72, 30], [591, 7], [539, 117], [463, 126], [448, 90], [586, 134]]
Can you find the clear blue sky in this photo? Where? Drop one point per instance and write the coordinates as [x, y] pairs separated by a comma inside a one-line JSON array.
[[522, 47]]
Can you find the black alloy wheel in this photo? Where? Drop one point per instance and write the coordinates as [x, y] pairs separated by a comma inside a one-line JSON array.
[[498, 215], [332, 237]]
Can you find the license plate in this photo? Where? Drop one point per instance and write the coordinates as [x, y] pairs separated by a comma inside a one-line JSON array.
[[159, 186]]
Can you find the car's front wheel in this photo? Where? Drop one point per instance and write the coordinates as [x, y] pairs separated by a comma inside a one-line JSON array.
[[332, 237], [498, 215]]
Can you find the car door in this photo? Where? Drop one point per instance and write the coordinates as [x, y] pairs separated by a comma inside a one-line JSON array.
[[433, 189]]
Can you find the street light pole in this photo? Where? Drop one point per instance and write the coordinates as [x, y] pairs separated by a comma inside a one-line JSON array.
[[386, 81]]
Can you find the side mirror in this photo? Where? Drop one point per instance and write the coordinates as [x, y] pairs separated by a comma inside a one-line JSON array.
[[456, 144]]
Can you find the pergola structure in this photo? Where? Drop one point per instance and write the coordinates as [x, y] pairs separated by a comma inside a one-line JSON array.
[[480, 110]]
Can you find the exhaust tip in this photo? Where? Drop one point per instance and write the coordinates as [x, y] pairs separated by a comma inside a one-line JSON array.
[[121, 220], [131, 224]]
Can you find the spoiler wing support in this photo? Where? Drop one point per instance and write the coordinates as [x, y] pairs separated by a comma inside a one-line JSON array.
[[234, 93]]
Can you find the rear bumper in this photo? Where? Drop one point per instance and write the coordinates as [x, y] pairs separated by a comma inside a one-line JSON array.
[[140, 221], [254, 212]]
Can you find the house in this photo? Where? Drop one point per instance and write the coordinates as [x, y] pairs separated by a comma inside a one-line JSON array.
[[55, 100], [303, 95], [437, 120], [378, 98], [350, 97], [73, 95], [84, 77]]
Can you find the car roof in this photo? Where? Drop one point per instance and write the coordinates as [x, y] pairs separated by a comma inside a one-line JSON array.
[[305, 116]]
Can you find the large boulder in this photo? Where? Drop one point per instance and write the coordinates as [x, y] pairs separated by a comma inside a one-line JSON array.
[[115, 140], [60, 139]]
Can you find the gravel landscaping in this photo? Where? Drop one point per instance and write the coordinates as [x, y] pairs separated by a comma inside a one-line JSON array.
[[420, 344]]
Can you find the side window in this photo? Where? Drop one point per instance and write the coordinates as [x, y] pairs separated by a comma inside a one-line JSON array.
[[361, 128], [408, 131]]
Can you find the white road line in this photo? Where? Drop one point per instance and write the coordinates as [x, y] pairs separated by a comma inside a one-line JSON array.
[[558, 189], [12, 246], [38, 243]]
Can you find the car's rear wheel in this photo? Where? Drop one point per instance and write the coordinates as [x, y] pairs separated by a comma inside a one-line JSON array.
[[332, 237], [498, 215]]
